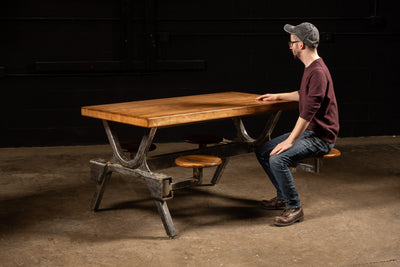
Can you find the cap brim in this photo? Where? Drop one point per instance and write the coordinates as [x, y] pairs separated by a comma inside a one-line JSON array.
[[289, 28]]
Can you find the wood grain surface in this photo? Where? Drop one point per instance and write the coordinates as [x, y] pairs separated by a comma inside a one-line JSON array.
[[198, 161], [186, 109]]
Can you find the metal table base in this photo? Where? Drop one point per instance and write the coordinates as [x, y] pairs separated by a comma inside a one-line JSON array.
[[162, 186]]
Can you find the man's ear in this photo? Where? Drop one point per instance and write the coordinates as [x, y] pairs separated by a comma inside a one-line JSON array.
[[302, 45]]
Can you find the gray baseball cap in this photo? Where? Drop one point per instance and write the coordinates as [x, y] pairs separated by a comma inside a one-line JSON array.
[[306, 32]]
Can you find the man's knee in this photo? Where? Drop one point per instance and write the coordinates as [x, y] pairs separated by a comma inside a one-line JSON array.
[[279, 162]]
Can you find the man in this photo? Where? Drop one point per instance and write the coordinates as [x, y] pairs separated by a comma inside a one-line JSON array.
[[316, 128]]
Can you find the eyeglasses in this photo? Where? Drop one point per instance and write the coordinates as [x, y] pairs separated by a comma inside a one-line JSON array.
[[290, 43]]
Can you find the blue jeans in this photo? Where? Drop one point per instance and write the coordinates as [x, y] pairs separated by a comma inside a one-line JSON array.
[[278, 166]]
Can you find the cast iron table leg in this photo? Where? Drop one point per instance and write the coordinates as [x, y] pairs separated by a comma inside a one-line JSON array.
[[98, 194], [166, 218]]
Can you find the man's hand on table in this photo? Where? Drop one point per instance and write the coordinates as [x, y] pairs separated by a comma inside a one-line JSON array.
[[268, 97]]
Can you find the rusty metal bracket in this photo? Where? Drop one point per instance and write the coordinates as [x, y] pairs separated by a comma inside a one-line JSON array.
[[264, 136], [141, 153]]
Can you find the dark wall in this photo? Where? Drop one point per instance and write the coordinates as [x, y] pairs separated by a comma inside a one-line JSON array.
[[56, 56]]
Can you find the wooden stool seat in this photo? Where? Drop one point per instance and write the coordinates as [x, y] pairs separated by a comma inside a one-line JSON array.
[[333, 153], [317, 161], [203, 139], [198, 161]]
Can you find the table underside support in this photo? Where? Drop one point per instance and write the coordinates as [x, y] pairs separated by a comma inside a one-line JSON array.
[[264, 136], [140, 156]]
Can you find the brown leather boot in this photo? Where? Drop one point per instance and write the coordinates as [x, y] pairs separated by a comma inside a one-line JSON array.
[[289, 217], [273, 204]]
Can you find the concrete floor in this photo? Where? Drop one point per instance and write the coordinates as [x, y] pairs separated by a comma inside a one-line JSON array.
[[352, 215]]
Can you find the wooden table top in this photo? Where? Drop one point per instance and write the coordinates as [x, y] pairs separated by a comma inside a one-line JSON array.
[[186, 109]]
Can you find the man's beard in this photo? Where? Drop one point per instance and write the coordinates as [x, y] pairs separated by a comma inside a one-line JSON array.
[[295, 56]]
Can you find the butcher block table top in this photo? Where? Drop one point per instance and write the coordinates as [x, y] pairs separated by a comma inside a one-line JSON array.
[[185, 109]]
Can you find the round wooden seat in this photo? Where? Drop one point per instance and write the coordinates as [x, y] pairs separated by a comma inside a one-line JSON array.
[[203, 139], [198, 161], [332, 154]]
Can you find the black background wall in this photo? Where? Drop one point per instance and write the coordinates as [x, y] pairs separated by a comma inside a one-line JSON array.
[[57, 56]]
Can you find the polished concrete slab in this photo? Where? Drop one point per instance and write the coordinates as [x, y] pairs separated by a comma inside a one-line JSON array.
[[352, 215]]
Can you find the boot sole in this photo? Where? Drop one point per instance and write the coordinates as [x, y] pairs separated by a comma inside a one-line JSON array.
[[287, 224]]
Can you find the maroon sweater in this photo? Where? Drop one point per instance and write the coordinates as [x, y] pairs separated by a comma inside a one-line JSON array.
[[317, 101]]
